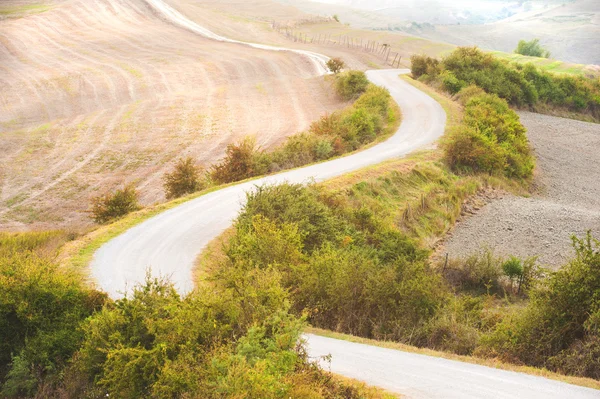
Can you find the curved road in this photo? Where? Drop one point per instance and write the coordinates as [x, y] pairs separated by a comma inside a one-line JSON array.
[[420, 376], [168, 244]]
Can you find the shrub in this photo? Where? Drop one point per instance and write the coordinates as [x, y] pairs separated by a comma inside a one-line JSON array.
[[184, 179], [424, 65], [111, 206], [532, 48], [41, 309], [350, 85], [559, 327], [242, 160], [336, 65]]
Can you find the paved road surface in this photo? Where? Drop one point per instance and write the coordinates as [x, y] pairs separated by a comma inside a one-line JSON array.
[[420, 376], [169, 243]]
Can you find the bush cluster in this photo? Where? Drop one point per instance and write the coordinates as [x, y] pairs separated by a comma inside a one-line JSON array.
[[234, 337], [330, 136], [344, 269], [491, 138], [560, 327], [111, 206], [520, 85]]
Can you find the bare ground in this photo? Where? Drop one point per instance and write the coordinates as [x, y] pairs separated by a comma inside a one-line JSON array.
[[96, 93], [567, 201]]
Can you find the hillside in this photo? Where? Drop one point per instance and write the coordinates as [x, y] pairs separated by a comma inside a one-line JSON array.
[[100, 93]]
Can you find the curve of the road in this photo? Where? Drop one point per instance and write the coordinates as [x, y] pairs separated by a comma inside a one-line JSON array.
[[169, 243]]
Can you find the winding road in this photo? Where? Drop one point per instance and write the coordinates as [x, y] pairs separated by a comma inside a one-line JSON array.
[[169, 243]]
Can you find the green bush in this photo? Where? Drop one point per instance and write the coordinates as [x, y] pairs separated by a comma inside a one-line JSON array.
[[350, 85], [338, 262], [183, 179], [491, 140], [532, 48], [520, 85], [559, 328], [111, 206], [336, 65], [242, 160], [41, 309]]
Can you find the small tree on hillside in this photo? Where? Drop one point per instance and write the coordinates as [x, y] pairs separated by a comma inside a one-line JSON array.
[[240, 162], [336, 65], [532, 48], [184, 179], [110, 206]]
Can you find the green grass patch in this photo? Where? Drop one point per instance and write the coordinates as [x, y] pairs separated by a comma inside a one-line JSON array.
[[15, 11]]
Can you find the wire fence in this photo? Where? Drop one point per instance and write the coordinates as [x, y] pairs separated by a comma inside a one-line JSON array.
[[382, 50]]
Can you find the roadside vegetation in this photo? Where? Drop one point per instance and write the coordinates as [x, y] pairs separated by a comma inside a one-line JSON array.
[[355, 260], [363, 122], [110, 206], [524, 86], [233, 337]]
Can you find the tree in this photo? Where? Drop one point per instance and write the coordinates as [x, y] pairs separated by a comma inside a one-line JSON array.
[[110, 206], [335, 65], [184, 179], [532, 48], [242, 160], [350, 85]]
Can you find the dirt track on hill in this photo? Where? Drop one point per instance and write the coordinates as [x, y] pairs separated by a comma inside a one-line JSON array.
[[96, 93], [567, 202]]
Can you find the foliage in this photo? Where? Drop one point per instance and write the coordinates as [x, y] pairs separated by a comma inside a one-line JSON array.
[[41, 308], [336, 65], [183, 179], [491, 139], [532, 48], [332, 135], [110, 206], [520, 85], [559, 329], [242, 160], [350, 85], [338, 262]]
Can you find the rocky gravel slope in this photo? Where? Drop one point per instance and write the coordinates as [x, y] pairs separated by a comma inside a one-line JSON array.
[[567, 200]]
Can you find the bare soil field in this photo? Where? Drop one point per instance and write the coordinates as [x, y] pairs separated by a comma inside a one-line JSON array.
[[97, 93], [567, 201]]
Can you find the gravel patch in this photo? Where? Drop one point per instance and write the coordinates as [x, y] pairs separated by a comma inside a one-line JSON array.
[[567, 200]]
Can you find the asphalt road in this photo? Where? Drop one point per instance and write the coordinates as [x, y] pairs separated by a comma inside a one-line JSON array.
[[420, 376], [169, 243]]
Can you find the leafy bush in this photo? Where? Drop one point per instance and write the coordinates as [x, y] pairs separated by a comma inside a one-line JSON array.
[[336, 65], [242, 160], [41, 309], [111, 206], [559, 329], [338, 262], [491, 140], [350, 85], [519, 85], [183, 179], [532, 48]]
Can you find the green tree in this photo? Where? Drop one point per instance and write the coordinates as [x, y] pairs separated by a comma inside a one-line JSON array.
[[532, 48]]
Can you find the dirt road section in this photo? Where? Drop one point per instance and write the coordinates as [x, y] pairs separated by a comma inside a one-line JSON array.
[[97, 93], [568, 201]]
